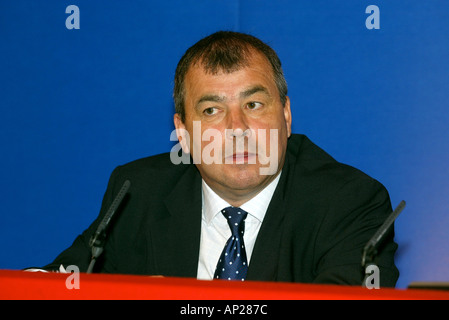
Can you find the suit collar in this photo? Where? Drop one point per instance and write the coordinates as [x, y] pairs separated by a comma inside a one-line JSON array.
[[186, 195], [175, 238]]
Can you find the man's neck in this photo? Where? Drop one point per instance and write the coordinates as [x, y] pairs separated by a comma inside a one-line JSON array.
[[237, 198]]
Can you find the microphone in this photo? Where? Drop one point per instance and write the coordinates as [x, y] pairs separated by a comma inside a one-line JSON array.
[[370, 249], [97, 240]]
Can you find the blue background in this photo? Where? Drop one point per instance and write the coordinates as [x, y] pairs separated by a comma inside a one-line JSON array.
[[77, 103]]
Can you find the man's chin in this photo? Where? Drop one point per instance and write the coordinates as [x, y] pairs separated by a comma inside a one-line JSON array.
[[246, 179]]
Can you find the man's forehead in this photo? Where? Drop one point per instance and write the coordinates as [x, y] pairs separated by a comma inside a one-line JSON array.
[[223, 86], [213, 66]]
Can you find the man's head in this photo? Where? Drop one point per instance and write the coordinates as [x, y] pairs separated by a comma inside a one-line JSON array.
[[225, 51], [232, 108]]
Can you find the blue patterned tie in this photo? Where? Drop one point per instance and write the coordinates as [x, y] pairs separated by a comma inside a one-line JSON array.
[[233, 264]]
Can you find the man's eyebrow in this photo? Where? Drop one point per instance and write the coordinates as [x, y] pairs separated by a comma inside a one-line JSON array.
[[249, 92], [244, 94], [210, 98]]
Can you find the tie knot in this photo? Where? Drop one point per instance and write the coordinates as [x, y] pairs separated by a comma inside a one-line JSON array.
[[236, 219]]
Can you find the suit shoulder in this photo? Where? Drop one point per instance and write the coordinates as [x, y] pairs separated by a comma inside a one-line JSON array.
[[311, 160], [305, 151], [151, 168], [159, 160]]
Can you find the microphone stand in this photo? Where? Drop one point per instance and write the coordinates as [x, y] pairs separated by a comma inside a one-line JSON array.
[[370, 250], [97, 241]]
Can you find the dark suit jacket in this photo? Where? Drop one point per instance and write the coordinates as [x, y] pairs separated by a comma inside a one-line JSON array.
[[320, 217]]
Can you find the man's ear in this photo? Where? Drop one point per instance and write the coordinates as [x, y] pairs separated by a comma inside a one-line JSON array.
[[288, 116], [182, 133]]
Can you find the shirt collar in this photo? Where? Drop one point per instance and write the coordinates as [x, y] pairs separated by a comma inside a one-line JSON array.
[[257, 206], [212, 203]]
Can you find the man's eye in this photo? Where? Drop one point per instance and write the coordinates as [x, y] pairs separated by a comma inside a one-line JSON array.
[[254, 105], [210, 111]]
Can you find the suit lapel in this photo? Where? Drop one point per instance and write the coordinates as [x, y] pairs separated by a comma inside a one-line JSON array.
[[176, 237], [264, 259]]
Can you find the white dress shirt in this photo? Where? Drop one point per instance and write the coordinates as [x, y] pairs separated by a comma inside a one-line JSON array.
[[215, 230]]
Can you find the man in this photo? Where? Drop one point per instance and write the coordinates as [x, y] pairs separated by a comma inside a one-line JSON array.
[[254, 201]]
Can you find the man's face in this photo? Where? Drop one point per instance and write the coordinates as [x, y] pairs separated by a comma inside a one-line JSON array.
[[227, 117]]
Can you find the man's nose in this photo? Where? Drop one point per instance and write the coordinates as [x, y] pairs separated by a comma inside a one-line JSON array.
[[237, 125]]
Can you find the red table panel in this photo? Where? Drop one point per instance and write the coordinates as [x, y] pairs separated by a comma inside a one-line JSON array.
[[36, 285]]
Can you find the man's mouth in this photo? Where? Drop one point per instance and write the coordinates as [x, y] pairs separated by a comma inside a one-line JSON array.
[[241, 158]]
